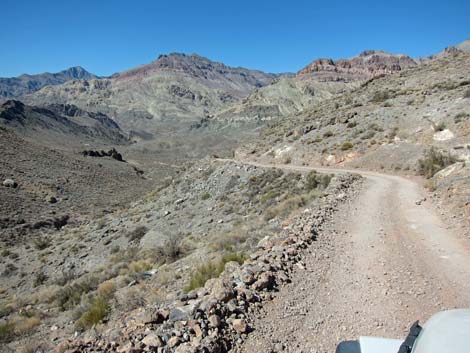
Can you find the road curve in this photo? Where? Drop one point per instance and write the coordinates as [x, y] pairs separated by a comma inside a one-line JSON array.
[[390, 261]]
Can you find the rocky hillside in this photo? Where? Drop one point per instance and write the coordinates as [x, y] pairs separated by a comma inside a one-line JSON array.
[[408, 112], [168, 243], [174, 88], [388, 123], [17, 86], [284, 97], [368, 64], [43, 189], [60, 125], [322, 79]]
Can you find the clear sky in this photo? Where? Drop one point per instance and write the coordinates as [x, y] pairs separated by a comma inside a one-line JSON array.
[[107, 36]]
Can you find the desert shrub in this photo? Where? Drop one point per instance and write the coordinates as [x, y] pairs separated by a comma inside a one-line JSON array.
[[466, 94], [7, 331], [66, 276], [433, 162], [127, 255], [328, 134], [287, 160], [115, 249], [229, 241], [430, 185], [445, 85], [234, 256], [9, 270], [106, 288], [460, 117], [346, 146], [315, 180], [42, 243], [100, 223], [140, 266], [368, 135], [440, 126], [205, 196], [285, 207], [173, 249], [39, 279], [27, 325], [5, 310], [271, 194], [380, 96], [97, 311], [137, 234], [70, 295], [351, 124], [211, 270]]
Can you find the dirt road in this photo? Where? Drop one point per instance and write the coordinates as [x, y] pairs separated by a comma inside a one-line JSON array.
[[385, 261]]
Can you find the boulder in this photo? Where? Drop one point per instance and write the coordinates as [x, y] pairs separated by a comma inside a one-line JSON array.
[[240, 325], [173, 341], [265, 281], [223, 291], [215, 321], [181, 313], [10, 183], [152, 340]]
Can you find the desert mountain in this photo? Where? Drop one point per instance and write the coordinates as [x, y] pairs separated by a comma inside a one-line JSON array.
[[60, 124], [321, 79], [17, 86], [386, 123], [175, 86], [463, 47]]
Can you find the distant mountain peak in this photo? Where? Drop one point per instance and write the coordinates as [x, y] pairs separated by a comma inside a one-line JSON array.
[[23, 84]]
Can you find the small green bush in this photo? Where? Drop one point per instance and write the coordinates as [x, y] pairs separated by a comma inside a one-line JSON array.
[[380, 96], [5, 310], [42, 243], [70, 295], [460, 117], [346, 146], [7, 331], [352, 124], [315, 180], [433, 162], [137, 234], [205, 196], [211, 270], [96, 312], [269, 196], [39, 279], [173, 249]]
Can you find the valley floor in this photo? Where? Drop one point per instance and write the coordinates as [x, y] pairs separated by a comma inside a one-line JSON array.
[[385, 261]]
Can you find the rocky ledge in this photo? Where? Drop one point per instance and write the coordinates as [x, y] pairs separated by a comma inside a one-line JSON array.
[[218, 317]]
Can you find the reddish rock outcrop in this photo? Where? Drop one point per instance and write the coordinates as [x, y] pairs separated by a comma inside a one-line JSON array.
[[368, 64]]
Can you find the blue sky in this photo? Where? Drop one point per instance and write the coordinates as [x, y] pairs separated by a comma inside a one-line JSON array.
[[107, 36]]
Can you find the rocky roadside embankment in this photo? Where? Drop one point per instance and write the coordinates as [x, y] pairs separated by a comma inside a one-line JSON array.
[[219, 316]]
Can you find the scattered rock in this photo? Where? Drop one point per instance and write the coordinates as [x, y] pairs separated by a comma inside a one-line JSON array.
[[10, 183], [214, 320], [152, 340], [240, 325], [173, 341]]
